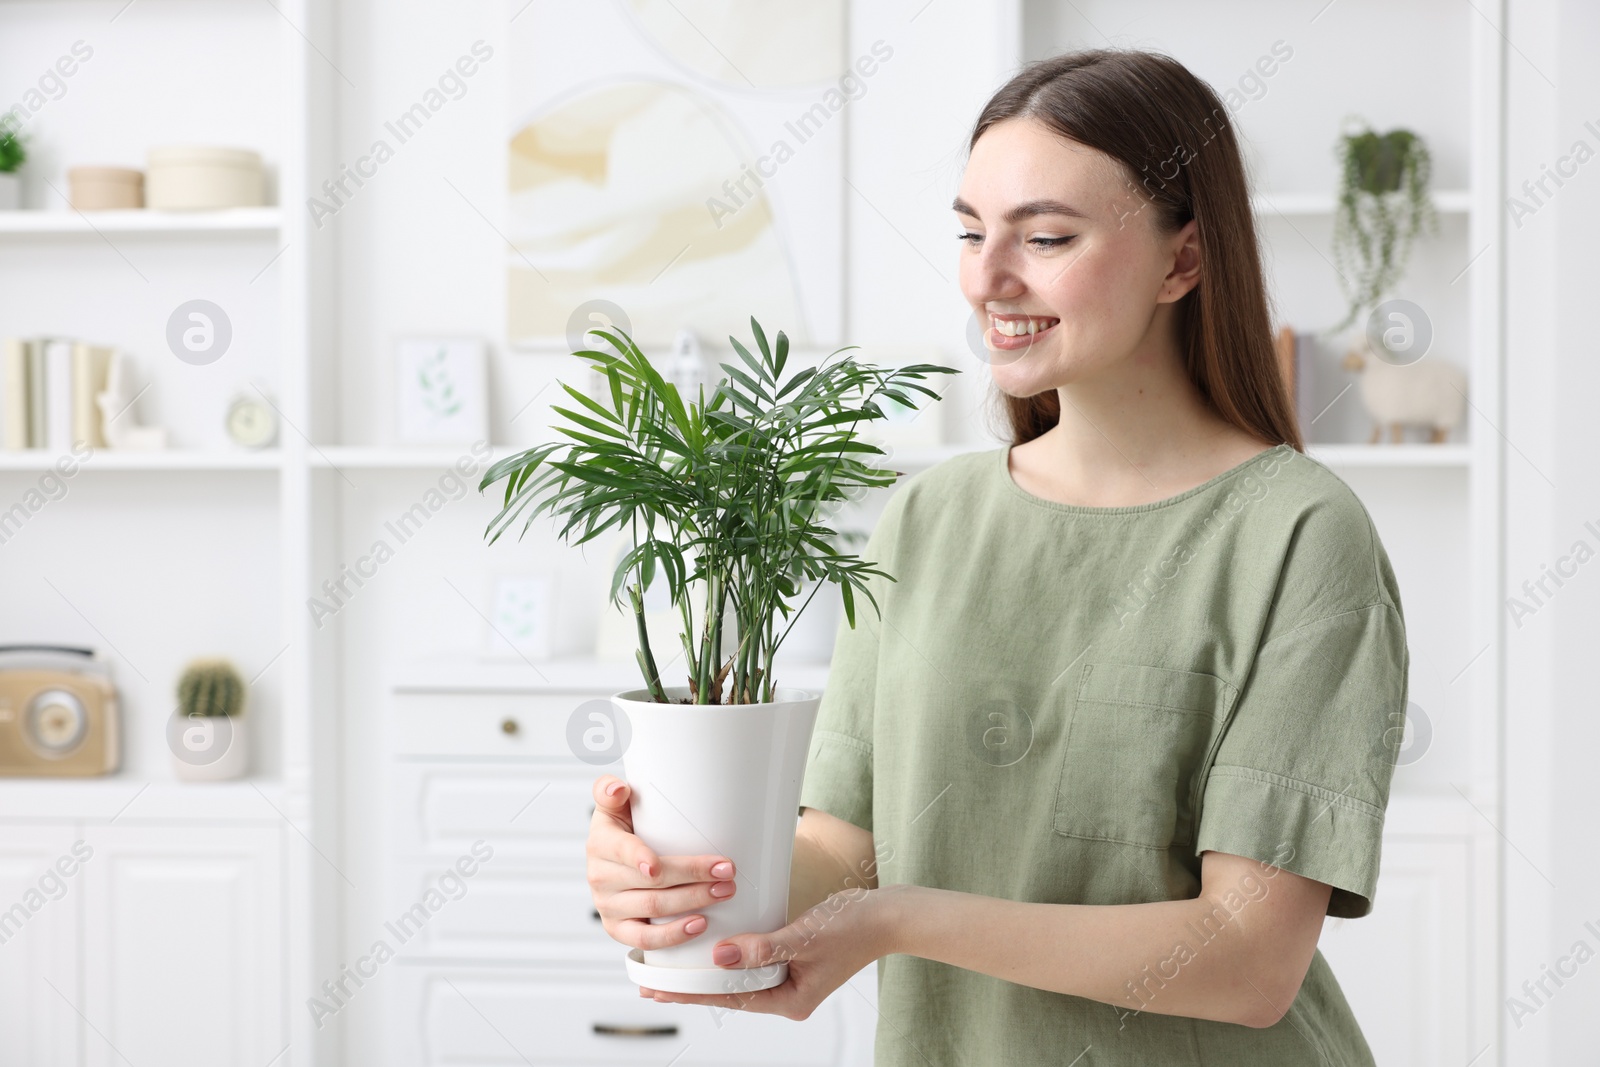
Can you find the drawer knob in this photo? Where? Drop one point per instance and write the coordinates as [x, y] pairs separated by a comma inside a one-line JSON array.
[[610, 1030], [508, 726]]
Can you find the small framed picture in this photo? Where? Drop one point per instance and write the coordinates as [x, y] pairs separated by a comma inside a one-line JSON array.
[[522, 616], [441, 391]]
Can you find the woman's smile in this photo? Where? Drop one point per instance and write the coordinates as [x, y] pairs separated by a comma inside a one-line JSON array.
[[1010, 332]]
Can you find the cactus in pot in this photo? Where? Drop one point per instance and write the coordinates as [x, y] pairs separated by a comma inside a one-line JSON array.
[[206, 734]]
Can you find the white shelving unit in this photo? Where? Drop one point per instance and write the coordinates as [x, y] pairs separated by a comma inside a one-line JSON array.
[[224, 888], [244, 220]]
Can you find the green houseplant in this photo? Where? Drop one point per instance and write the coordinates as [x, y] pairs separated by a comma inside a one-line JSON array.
[[1383, 203], [727, 499], [12, 155], [743, 481]]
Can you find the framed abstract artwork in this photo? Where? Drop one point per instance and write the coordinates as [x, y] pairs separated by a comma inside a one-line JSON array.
[[685, 171]]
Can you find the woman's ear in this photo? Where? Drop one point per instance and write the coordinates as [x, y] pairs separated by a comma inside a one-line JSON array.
[[1185, 273]]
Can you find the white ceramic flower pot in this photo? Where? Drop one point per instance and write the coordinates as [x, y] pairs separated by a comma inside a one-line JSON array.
[[207, 749], [718, 779], [10, 191]]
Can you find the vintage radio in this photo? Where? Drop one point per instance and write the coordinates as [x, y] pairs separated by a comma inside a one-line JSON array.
[[59, 716]]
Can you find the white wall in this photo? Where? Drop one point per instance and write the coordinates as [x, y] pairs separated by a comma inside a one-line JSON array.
[[1552, 733]]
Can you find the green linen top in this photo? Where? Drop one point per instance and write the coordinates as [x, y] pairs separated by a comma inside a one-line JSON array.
[[1068, 704]]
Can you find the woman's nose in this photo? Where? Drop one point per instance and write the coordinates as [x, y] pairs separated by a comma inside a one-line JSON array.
[[990, 275]]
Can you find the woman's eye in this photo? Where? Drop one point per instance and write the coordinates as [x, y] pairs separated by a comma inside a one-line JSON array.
[[973, 237], [1049, 242]]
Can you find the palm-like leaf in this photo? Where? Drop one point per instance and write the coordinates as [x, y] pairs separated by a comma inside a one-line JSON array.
[[728, 494]]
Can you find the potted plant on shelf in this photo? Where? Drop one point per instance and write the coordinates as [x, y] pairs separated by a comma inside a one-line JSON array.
[[206, 733], [12, 156], [1383, 203], [726, 499]]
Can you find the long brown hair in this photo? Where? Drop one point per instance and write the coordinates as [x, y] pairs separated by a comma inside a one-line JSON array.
[[1172, 133]]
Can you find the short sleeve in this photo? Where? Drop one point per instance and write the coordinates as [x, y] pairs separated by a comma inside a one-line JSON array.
[[838, 777], [1301, 776]]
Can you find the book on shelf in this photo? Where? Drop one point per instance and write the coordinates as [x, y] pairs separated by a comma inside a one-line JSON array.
[[48, 387], [1297, 362]]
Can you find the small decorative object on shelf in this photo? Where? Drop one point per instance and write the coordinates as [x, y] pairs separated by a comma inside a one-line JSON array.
[[96, 188], [1383, 203], [441, 391], [523, 615], [203, 178], [12, 155], [688, 368], [207, 734], [117, 422], [1429, 393], [252, 422], [729, 494], [63, 718]]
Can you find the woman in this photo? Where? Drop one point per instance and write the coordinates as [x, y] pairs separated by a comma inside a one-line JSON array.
[[1124, 732]]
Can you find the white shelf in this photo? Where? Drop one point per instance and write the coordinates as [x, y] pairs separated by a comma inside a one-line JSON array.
[[128, 799], [242, 220], [478, 675], [1445, 202], [1411, 454], [1391, 455], [176, 459], [400, 458]]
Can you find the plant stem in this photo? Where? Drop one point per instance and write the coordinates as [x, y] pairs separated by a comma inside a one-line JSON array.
[[647, 660]]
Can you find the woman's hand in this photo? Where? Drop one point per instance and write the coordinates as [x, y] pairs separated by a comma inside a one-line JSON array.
[[632, 885], [824, 948]]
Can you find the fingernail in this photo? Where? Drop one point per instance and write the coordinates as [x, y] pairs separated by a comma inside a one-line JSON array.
[[722, 870], [644, 866], [722, 889], [611, 790], [723, 955], [695, 925]]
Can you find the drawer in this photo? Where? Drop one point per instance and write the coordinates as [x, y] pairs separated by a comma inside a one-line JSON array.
[[462, 1015], [527, 725], [500, 913], [525, 811]]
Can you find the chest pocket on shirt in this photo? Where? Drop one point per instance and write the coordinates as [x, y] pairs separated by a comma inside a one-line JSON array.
[[1138, 743]]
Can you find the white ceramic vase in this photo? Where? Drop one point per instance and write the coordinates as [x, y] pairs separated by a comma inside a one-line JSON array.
[[10, 191], [718, 779], [208, 749]]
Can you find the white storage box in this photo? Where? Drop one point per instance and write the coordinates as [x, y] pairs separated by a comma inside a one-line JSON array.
[[200, 177]]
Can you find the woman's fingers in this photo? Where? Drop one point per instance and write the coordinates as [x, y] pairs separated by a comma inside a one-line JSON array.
[[660, 903], [643, 934], [631, 884]]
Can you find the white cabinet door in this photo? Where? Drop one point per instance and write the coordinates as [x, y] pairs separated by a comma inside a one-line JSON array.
[[41, 891], [183, 946], [515, 1016], [1405, 967]]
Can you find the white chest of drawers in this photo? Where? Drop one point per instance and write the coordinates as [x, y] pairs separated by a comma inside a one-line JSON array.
[[509, 964]]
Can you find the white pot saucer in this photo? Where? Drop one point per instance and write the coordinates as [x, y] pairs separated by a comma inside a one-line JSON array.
[[704, 979]]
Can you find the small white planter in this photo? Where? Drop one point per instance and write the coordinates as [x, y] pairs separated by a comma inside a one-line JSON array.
[[10, 191], [208, 748], [722, 779]]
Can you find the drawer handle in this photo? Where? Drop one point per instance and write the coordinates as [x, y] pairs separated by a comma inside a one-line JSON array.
[[508, 726], [610, 1030]]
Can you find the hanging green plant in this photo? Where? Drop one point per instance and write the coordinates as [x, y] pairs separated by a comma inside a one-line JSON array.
[[1383, 206]]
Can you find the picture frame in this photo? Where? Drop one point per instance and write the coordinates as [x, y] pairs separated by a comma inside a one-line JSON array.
[[441, 391]]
